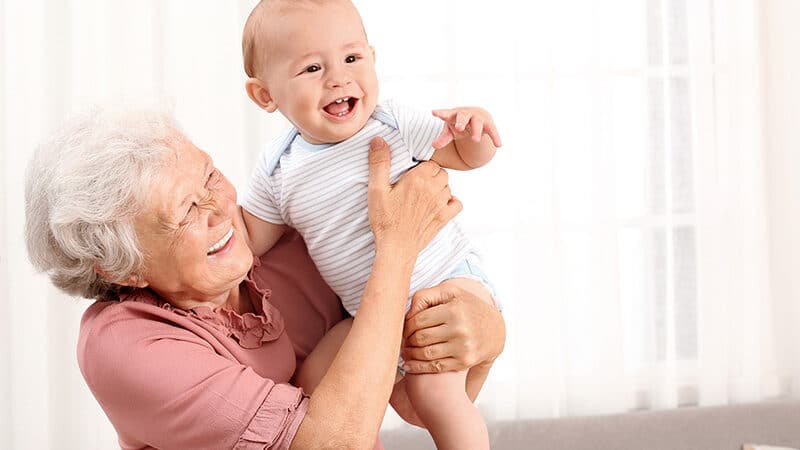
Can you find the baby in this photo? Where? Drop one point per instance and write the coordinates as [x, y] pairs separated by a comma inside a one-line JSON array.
[[311, 61]]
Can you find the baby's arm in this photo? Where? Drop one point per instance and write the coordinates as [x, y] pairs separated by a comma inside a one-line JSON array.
[[260, 234], [469, 139]]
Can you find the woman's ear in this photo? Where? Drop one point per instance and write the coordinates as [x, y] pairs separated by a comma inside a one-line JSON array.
[[258, 93], [132, 281]]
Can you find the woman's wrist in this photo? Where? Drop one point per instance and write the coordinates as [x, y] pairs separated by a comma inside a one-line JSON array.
[[396, 256]]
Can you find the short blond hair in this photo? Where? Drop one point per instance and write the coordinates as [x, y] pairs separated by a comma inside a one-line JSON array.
[[253, 36]]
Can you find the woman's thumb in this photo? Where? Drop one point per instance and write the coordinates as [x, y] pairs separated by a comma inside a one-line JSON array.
[[379, 163], [426, 298]]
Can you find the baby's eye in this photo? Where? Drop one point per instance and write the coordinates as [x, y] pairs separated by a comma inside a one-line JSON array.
[[313, 68], [350, 59]]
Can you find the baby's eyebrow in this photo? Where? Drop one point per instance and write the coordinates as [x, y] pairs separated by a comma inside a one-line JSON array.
[[305, 55], [355, 44]]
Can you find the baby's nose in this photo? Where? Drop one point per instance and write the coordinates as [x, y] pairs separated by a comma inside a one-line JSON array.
[[338, 79]]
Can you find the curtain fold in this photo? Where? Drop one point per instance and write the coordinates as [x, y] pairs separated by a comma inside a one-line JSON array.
[[627, 221]]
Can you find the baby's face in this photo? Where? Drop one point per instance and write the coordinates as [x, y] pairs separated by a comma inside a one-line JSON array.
[[320, 71]]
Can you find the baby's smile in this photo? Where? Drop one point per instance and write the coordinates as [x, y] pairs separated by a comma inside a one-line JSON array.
[[341, 108]]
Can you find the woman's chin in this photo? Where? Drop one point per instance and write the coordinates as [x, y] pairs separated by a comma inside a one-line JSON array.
[[234, 257]]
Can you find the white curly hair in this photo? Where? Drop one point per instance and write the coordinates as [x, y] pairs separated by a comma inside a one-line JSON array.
[[83, 189]]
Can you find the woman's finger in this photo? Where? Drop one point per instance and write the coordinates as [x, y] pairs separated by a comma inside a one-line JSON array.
[[442, 177], [379, 164], [427, 169], [453, 208], [445, 195], [435, 366], [426, 310], [427, 353], [428, 336], [423, 312]]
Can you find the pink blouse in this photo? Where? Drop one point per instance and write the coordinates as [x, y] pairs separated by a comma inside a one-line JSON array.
[[209, 379]]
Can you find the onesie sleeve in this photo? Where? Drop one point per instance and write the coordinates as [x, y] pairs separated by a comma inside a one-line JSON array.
[[170, 389], [263, 196], [418, 129]]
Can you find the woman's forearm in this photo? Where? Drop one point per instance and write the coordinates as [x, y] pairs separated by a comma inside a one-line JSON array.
[[349, 403]]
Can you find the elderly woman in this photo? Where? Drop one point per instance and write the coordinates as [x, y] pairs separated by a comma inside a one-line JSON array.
[[193, 343]]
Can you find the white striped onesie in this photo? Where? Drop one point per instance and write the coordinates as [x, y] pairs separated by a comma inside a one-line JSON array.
[[321, 191]]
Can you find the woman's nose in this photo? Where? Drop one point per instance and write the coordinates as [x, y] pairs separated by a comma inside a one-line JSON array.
[[218, 209]]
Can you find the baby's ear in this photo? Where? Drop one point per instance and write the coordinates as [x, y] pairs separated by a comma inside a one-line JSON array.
[[258, 93]]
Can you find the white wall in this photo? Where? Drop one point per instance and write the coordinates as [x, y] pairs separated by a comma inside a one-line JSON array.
[[781, 78]]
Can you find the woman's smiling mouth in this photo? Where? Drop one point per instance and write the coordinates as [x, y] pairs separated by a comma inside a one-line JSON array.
[[221, 243]]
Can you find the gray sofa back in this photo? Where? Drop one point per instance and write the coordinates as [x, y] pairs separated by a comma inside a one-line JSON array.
[[711, 428]]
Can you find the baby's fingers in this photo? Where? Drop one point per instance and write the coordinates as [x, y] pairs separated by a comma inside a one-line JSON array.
[[444, 138], [491, 130], [476, 128], [444, 114], [462, 120]]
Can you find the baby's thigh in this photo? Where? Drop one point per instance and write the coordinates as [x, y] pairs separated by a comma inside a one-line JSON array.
[[310, 373]]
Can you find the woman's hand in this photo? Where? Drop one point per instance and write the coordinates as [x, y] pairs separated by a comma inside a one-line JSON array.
[[449, 328], [405, 216]]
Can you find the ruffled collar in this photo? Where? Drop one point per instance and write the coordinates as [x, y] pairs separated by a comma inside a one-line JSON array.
[[250, 330]]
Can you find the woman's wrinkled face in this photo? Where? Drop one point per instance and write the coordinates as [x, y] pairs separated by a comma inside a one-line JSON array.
[[191, 231]]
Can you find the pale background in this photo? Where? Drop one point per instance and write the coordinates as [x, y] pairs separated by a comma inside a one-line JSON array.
[[641, 221]]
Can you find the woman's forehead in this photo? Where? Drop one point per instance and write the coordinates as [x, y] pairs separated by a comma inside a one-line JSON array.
[[181, 174]]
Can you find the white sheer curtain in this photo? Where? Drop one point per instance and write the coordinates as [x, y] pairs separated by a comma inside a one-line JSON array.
[[627, 222]]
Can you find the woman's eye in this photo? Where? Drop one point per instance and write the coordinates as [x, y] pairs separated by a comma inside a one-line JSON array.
[[188, 213], [313, 68], [350, 59]]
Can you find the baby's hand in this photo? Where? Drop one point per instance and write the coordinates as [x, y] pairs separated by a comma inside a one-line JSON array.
[[463, 123]]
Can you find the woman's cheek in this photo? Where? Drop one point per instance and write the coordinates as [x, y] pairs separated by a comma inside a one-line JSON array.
[[228, 191]]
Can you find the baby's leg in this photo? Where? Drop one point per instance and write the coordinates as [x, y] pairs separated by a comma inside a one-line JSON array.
[[443, 406], [310, 373], [441, 401]]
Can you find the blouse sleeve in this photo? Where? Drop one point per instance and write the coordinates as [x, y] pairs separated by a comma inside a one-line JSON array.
[[166, 387]]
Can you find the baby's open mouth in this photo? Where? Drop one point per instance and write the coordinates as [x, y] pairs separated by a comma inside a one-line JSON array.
[[341, 107]]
